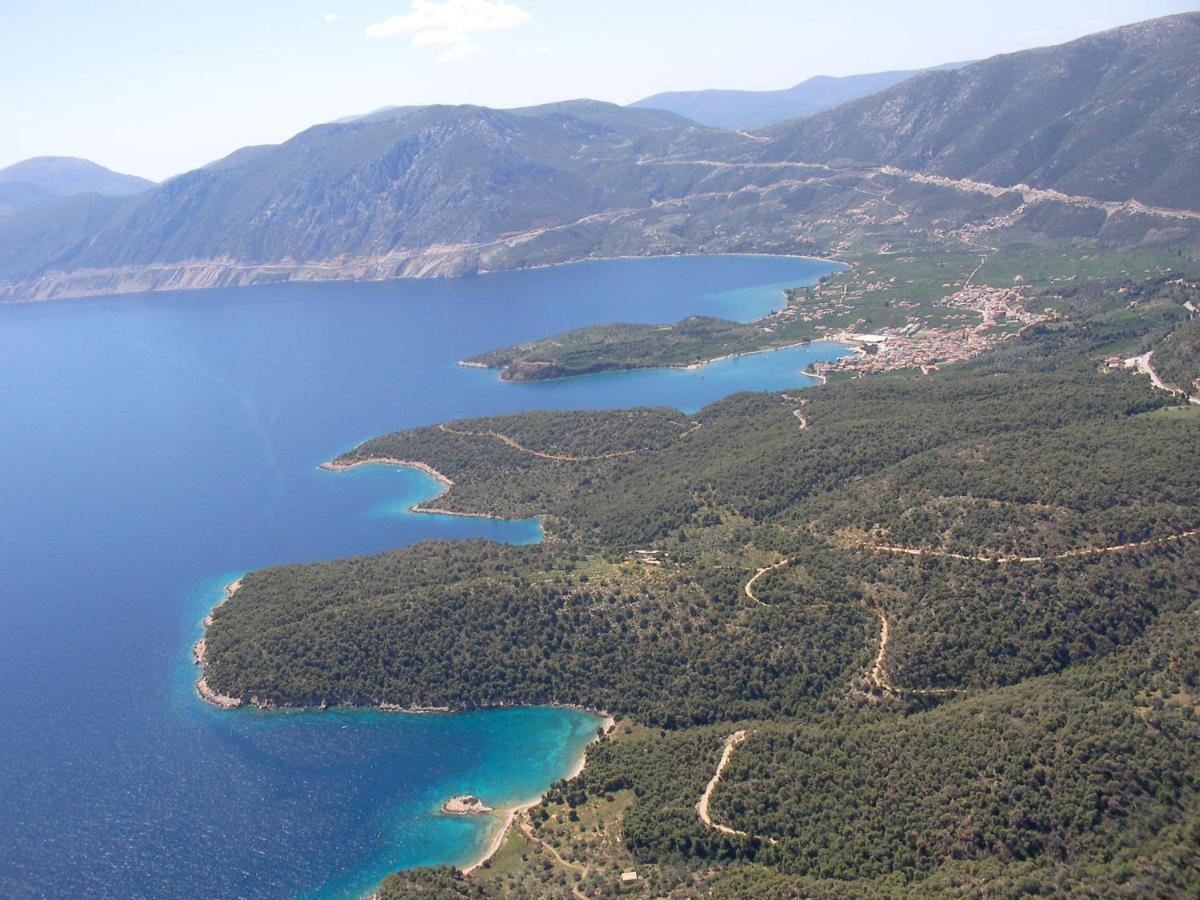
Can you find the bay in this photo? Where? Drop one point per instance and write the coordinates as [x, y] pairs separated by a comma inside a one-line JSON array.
[[154, 447]]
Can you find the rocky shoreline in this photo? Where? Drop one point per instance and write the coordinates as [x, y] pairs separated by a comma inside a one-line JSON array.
[[208, 694], [413, 710], [200, 656], [337, 465], [462, 805]]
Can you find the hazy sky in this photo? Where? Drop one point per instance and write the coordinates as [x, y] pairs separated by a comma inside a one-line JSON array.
[[156, 87]]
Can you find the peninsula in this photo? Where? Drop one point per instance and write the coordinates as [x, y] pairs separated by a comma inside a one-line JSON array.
[[917, 582]]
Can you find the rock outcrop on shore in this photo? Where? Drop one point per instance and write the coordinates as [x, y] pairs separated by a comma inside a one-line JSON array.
[[200, 656], [465, 805], [209, 695]]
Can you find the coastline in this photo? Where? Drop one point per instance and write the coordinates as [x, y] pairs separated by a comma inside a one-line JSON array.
[[739, 354], [678, 367], [506, 815], [853, 346], [840, 339], [209, 695], [334, 465], [509, 814], [681, 255], [445, 481], [209, 274], [200, 656]]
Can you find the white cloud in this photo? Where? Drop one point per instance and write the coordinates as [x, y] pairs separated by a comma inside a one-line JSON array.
[[464, 17], [450, 23], [540, 51], [330, 17], [457, 52]]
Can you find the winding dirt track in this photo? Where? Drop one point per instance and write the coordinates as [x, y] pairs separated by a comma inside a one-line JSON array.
[[527, 830], [749, 589], [1069, 554], [731, 743], [878, 674], [558, 457], [878, 678]]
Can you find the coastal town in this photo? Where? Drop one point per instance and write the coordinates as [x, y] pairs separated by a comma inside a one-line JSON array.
[[918, 343]]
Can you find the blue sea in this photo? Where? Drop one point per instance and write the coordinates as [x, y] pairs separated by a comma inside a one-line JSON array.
[[154, 447]]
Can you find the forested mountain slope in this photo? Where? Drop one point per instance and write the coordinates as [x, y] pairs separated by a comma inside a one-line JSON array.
[[364, 188]]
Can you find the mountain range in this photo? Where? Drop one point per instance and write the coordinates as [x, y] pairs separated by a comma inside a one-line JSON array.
[[1064, 143], [758, 109], [33, 182]]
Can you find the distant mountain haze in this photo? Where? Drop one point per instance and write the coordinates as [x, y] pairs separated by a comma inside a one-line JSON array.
[[758, 109], [63, 176], [18, 195]]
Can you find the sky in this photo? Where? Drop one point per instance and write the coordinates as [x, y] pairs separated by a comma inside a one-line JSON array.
[[158, 87]]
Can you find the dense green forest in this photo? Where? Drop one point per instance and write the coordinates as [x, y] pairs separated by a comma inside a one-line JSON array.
[[1066, 783], [1022, 529], [554, 454], [602, 348]]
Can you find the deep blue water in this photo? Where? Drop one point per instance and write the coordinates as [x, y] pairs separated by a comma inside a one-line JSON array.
[[154, 447]]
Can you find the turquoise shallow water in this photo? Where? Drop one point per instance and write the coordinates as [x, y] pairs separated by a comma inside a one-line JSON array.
[[154, 447]]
